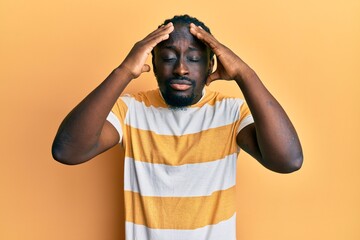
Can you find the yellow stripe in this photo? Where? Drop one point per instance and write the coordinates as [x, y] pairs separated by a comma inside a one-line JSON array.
[[211, 98], [150, 98], [120, 109], [244, 111], [180, 212], [153, 98], [209, 145]]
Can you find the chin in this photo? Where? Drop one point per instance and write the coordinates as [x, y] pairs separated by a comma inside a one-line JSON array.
[[179, 100]]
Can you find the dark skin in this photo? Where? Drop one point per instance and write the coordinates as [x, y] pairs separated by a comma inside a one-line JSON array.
[[182, 64], [182, 67]]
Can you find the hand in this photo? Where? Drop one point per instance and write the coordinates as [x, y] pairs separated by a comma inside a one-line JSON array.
[[229, 65], [135, 60]]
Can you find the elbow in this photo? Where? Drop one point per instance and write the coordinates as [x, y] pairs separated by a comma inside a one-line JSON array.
[[284, 164], [295, 165], [61, 155], [292, 164]]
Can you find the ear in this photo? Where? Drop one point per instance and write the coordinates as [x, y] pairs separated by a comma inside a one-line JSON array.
[[211, 65]]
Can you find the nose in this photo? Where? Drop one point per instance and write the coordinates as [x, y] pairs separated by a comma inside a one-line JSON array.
[[181, 69]]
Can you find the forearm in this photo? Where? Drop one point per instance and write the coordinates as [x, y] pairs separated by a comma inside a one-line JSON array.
[[78, 135], [273, 141], [277, 139]]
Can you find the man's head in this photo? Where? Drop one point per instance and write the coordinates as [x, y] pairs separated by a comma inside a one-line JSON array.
[[182, 63]]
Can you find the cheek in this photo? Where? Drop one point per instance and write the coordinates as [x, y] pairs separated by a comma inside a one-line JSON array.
[[160, 70], [199, 72], [198, 67]]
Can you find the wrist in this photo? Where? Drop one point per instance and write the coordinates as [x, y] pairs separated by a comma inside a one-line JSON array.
[[124, 72], [244, 76]]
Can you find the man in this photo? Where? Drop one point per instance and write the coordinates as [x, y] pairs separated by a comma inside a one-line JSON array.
[[181, 141]]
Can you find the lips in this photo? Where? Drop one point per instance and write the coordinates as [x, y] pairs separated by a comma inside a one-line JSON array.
[[180, 85]]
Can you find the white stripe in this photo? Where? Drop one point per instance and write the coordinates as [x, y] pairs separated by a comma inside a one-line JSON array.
[[200, 179], [246, 121], [223, 230], [178, 122], [116, 123]]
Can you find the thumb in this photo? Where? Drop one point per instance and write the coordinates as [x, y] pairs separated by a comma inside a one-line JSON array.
[[145, 68]]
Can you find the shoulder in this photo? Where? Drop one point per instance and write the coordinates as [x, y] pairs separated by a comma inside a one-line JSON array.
[[145, 98], [215, 98]]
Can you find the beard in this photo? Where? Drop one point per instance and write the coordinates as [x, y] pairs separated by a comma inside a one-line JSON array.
[[178, 100]]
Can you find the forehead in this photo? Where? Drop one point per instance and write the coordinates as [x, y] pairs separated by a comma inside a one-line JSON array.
[[182, 38]]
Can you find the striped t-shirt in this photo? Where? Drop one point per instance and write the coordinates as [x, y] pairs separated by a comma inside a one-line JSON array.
[[180, 165]]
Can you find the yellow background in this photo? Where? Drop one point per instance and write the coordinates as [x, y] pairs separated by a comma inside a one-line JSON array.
[[54, 52]]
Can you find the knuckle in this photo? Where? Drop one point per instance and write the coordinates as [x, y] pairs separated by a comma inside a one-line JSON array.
[[137, 44]]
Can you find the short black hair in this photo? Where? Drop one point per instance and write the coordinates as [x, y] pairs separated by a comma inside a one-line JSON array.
[[183, 19]]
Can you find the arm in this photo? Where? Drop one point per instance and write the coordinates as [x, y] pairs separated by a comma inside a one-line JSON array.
[[85, 133], [272, 139]]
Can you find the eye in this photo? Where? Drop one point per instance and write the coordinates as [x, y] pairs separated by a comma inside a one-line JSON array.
[[169, 59], [194, 58]]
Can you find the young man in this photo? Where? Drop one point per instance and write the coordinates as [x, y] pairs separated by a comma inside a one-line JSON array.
[[182, 140]]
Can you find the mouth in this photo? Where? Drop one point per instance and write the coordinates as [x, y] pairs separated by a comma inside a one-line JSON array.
[[180, 84]]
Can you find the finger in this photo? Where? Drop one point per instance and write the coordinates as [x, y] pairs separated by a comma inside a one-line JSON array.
[[161, 30], [154, 38], [145, 68], [159, 36], [204, 36]]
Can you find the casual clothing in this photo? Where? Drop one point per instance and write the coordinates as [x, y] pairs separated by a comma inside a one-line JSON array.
[[180, 165]]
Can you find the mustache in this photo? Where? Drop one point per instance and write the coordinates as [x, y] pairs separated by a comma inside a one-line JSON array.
[[181, 79]]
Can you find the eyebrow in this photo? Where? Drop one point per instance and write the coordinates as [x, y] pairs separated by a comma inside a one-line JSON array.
[[171, 47], [168, 47], [194, 48]]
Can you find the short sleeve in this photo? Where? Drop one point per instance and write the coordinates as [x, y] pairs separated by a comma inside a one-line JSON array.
[[117, 116], [245, 116]]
